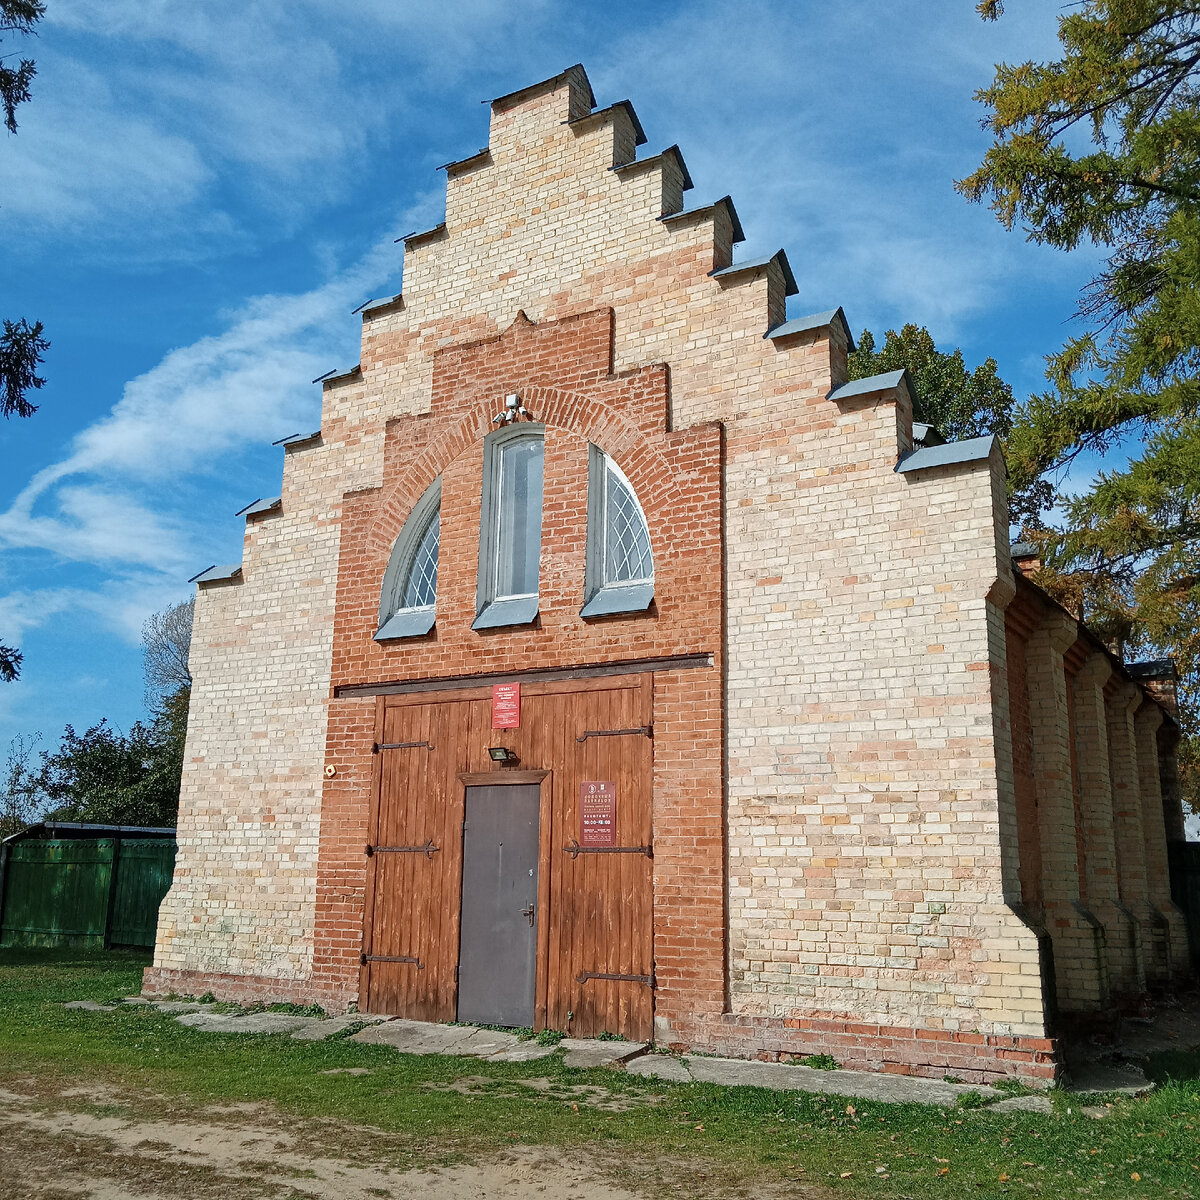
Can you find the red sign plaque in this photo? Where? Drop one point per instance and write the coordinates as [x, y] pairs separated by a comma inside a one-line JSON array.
[[597, 814], [506, 706]]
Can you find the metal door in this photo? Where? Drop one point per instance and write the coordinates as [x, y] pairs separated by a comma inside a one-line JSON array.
[[497, 962]]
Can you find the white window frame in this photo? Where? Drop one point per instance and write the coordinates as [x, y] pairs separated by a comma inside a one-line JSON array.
[[394, 621], [607, 597], [493, 610]]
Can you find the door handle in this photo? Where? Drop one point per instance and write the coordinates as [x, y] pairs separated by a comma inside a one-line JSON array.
[[528, 912]]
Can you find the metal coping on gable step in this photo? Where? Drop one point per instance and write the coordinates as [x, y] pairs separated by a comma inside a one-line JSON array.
[[871, 385], [424, 235], [639, 134], [816, 321], [334, 376], [259, 506], [374, 306], [215, 574], [696, 213], [455, 164], [294, 439], [550, 84], [756, 264], [949, 454], [925, 434], [1024, 550], [653, 160]]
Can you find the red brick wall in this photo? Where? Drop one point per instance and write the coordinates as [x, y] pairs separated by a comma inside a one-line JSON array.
[[562, 371]]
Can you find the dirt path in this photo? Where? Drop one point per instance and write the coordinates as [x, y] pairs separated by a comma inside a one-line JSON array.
[[96, 1143]]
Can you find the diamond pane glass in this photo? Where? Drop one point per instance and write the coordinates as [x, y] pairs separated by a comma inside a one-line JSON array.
[[420, 588], [627, 557]]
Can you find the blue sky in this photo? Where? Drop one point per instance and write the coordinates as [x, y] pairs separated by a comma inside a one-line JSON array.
[[200, 194]]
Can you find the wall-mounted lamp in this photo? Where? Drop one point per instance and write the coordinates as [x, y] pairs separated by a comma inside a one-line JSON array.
[[513, 408], [501, 754]]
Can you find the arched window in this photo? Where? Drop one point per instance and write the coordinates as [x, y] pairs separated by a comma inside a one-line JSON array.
[[409, 599], [620, 563], [510, 527]]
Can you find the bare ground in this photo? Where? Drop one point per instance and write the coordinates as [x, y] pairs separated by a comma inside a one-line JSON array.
[[103, 1144]]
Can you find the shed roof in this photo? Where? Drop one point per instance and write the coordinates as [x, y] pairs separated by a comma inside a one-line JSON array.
[[77, 829]]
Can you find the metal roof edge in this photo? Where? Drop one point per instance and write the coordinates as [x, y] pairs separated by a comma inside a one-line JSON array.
[[337, 376], [454, 164], [550, 84], [929, 435], [295, 439], [789, 279], [814, 321], [639, 134], [215, 574], [653, 160], [871, 384], [948, 454], [738, 233], [422, 235], [261, 505], [377, 306]]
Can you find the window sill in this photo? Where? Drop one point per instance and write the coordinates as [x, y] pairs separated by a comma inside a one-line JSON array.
[[619, 598], [408, 623], [500, 613]]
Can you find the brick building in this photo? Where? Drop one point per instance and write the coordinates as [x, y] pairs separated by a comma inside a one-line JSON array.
[[796, 760]]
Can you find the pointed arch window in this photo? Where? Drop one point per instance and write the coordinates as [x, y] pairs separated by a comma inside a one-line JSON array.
[[407, 606], [620, 562]]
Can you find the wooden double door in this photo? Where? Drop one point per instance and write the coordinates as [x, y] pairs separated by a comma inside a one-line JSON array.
[[518, 894]]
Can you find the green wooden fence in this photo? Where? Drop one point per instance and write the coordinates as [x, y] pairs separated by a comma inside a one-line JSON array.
[[88, 892]]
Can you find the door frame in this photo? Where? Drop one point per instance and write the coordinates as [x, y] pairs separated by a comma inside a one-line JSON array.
[[544, 781]]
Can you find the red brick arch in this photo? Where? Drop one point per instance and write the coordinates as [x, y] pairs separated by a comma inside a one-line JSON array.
[[648, 468]]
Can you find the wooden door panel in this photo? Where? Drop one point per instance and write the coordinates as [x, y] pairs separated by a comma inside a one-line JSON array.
[[603, 924], [411, 939], [594, 910]]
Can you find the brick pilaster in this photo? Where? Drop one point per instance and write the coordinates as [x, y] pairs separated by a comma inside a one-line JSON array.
[[1173, 929], [1123, 948], [1081, 973], [1122, 703]]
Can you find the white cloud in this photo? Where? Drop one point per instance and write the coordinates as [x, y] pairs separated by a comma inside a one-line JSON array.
[[115, 500], [79, 159], [168, 131]]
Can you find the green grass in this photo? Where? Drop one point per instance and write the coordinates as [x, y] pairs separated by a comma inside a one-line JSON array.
[[743, 1133]]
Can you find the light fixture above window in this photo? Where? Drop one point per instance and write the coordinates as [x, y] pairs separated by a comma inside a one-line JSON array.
[[502, 754]]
